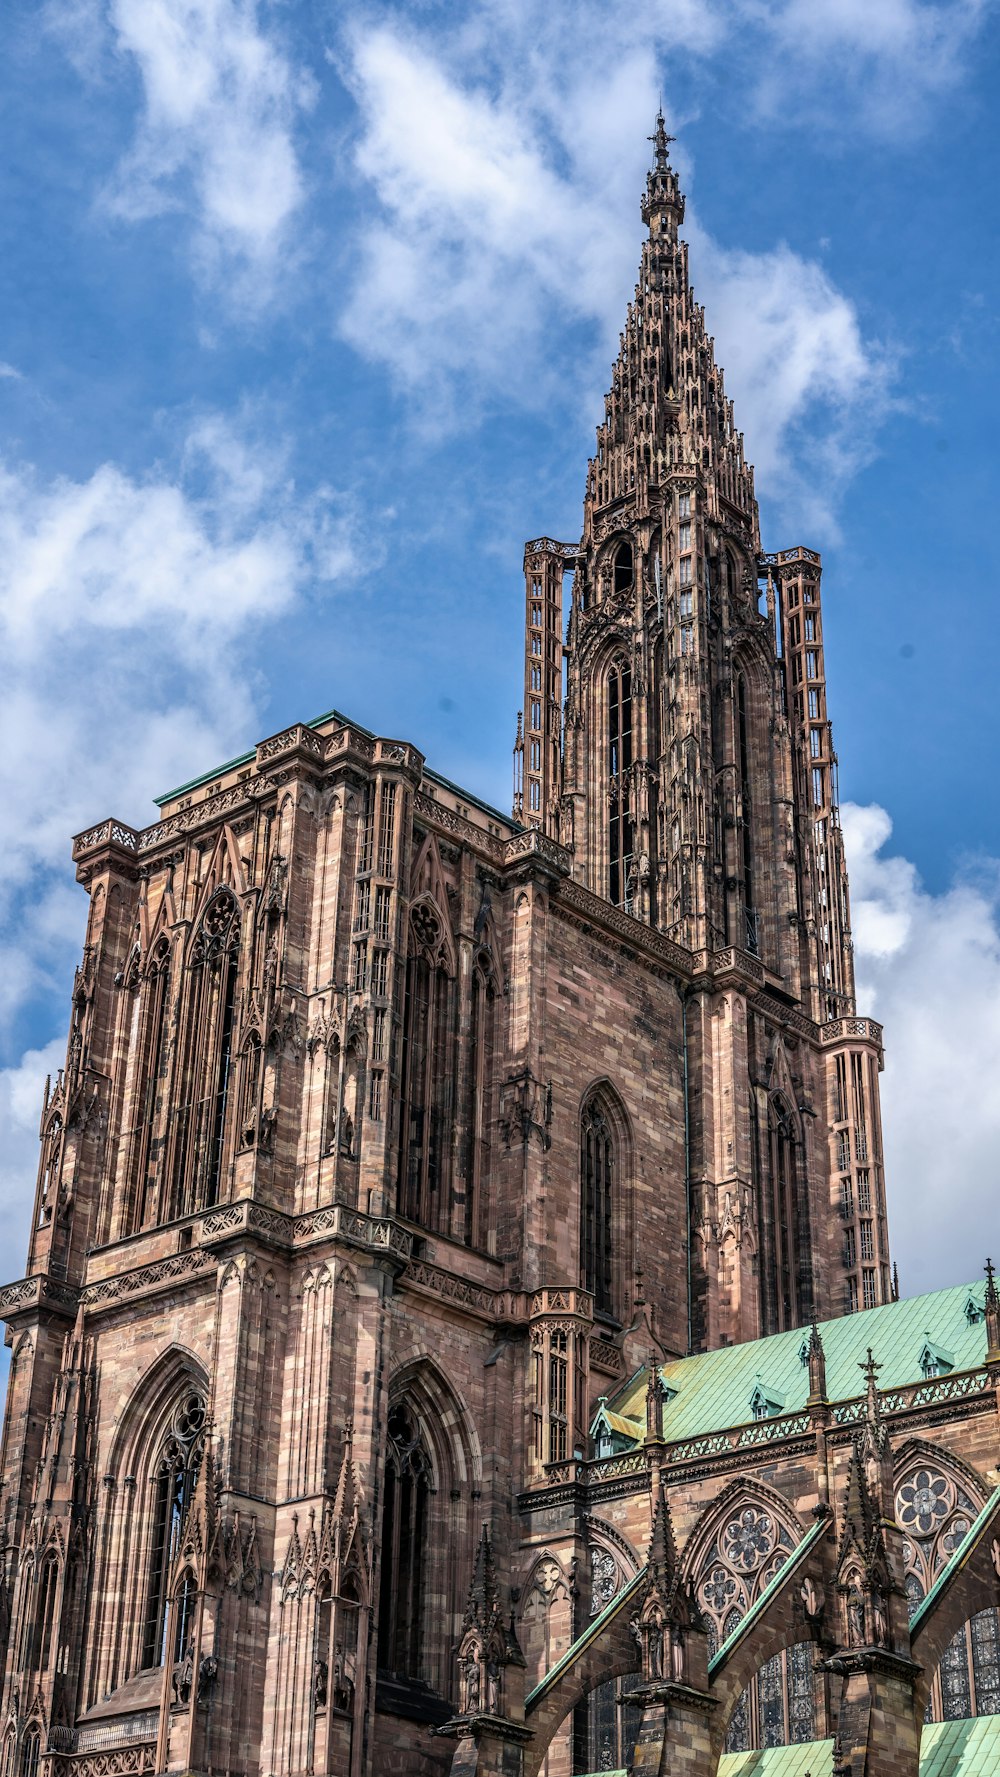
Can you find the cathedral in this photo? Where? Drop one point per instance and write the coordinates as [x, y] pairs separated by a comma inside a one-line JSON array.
[[459, 1332]]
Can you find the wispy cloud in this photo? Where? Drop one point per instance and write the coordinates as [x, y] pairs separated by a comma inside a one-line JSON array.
[[848, 63], [220, 104], [928, 967], [498, 227], [128, 607]]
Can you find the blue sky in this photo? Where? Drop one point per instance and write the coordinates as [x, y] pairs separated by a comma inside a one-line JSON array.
[[306, 314]]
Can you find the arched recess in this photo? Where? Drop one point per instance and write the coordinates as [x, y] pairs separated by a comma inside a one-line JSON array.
[[937, 1499], [203, 1082], [742, 1541], [606, 1232], [750, 909], [152, 1469], [609, 1724], [545, 1623], [609, 1655], [428, 1531], [428, 1057], [784, 1230]]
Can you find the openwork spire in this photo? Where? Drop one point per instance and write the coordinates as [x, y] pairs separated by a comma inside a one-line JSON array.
[[667, 408]]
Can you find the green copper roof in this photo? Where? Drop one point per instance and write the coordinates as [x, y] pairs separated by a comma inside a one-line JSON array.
[[714, 1389], [947, 1749], [814, 1759], [961, 1748]]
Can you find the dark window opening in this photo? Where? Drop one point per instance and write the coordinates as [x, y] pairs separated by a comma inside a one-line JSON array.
[[624, 568], [404, 1548], [597, 1205]]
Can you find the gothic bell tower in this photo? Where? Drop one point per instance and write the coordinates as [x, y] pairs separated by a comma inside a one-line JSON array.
[[676, 740]]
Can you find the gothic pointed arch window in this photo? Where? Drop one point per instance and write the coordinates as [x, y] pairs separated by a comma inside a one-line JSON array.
[[623, 567], [621, 814], [207, 1057], [248, 1119], [603, 1204], [48, 1176], [782, 1232], [751, 935], [153, 1004], [424, 1172], [173, 1478], [481, 1062], [405, 1524], [31, 1746], [48, 1581], [736, 1556], [935, 1509]]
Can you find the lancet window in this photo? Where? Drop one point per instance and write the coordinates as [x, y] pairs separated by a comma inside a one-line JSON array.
[[784, 1233], [48, 1580], [404, 1546], [623, 569], [207, 1065], [152, 1038], [621, 822], [752, 935], [935, 1510], [428, 1042], [482, 1037], [173, 1479], [30, 1750], [598, 1192]]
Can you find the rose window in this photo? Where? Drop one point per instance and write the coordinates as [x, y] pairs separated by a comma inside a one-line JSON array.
[[748, 1539], [923, 1502]]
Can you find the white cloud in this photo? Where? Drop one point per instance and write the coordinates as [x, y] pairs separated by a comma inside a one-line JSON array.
[[810, 389], [835, 61], [8, 371], [221, 101], [21, 1090], [126, 609], [928, 968], [500, 225]]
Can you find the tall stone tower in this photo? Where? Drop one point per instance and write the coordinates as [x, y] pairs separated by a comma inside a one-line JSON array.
[[689, 770]]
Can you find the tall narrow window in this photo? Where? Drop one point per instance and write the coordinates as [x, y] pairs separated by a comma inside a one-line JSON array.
[[621, 839], [30, 1749], [746, 811], [48, 1580], [427, 1068], [404, 1547], [481, 1040], [142, 1181], [597, 1206], [174, 1475], [207, 1057], [784, 1231], [624, 569]]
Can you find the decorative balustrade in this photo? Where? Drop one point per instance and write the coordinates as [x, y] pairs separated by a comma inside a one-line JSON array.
[[840, 1030]]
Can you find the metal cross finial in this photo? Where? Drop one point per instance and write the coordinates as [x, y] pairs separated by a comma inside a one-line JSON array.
[[661, 141], [870, 1367]]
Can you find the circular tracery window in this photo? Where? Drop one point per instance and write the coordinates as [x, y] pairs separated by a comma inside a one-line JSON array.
[[748, 1539], [924, 1501]]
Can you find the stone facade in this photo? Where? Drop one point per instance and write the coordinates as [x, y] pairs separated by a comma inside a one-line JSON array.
[[394, 1135]]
